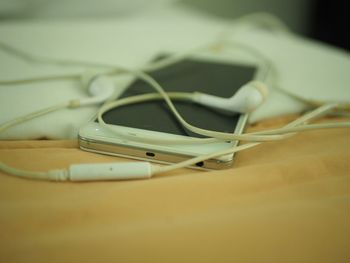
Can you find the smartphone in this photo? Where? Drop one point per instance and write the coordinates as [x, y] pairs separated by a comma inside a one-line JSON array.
[[154, 119]]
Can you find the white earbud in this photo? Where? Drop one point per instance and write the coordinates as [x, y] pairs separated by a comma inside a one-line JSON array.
[[248, 98], [100, 89]]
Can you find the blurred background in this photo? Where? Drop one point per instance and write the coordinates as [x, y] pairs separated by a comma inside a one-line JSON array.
[[318, 19]]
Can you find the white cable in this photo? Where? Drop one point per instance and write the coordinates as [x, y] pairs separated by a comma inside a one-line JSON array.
[[39, 79], [30, 116], [201, 158], [53, 175], [294, 124], [302, 122]]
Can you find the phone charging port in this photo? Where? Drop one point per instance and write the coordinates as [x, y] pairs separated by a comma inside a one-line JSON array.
[[150, 154], [200, 164]]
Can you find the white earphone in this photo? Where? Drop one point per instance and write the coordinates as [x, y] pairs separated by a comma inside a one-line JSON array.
[[100, 88], [247, 99]]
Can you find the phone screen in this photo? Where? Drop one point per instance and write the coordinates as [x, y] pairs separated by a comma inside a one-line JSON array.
[[190, 75]]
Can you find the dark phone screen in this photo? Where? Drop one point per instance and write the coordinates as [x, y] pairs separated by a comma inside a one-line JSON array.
[[189, 75]]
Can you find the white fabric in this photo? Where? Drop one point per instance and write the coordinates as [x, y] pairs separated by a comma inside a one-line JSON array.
[[134, 41], [53, 9]]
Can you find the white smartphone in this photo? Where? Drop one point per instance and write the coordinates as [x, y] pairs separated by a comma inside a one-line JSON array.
[[154, 119]]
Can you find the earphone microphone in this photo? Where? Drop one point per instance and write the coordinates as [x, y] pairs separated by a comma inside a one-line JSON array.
[[90, 172], [248, 98]]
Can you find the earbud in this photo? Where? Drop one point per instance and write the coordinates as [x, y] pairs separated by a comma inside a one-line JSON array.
[[248, 98], [100, 88]]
